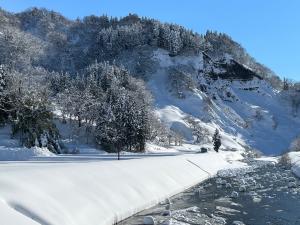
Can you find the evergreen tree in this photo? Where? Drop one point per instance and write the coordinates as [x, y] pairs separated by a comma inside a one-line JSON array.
[[2, 79], [3, 97], [285, 84], [123, 115], [217, 140], [32, 121]]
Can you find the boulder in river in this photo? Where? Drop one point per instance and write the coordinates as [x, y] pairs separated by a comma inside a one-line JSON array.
[[228, 185], [167, 222], [242, 188], [149, 220], [292, 179], [292, 185], [234, 194], [166, 213]]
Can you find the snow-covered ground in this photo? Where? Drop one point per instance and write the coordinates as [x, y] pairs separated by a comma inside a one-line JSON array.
[[70, 191]]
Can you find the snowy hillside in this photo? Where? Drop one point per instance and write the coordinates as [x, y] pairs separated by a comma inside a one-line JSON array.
[[248, 112], [103, 73], [173, 106]]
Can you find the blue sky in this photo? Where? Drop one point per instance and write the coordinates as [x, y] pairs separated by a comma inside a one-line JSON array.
[[268, 29]]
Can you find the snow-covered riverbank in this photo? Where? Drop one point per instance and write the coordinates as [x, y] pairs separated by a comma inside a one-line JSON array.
[[260, 194], [101, 192]]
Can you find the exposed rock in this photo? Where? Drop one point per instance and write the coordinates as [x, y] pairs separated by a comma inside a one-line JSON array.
[[149, 220]]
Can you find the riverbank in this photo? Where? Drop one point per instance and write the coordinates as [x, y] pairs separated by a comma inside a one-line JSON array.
[[100, 192], [263, 193]]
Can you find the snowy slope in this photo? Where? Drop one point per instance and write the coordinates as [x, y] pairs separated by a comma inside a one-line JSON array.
[[10, 217], [100, 193], [247, 112]]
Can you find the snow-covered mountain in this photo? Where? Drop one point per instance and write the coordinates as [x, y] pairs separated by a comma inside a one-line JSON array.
[[204, 81], [75, 93]]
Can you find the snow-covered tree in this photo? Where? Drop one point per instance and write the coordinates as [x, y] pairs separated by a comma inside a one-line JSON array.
[[200, 133], [3, 75], [181, 82], [33, 123]]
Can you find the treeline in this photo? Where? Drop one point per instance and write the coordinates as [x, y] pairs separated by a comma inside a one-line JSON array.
[[111, 105], [26, 107], [113, 108], [45, 38]]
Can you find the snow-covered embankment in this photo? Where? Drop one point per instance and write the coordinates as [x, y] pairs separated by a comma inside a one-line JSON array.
[[100, 193]]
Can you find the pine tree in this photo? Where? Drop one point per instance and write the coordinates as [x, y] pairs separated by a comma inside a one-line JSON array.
[[286, 85], [217, 140], [2, 78]]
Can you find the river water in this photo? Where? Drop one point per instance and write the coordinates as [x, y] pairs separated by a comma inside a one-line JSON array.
[[263, 194]]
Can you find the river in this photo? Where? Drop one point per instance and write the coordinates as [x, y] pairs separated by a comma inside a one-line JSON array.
[[263, 194]]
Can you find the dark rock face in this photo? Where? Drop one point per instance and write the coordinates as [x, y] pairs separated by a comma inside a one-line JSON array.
[[227, 69]]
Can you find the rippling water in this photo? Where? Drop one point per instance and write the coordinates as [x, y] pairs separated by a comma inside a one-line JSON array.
[[264, 194]]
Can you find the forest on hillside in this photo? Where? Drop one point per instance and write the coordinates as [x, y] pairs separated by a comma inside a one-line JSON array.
[[51, 63]]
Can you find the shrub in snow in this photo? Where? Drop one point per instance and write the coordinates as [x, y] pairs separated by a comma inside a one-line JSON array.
[[258, 114], [295, 146], [285, 161], [149, 220]]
